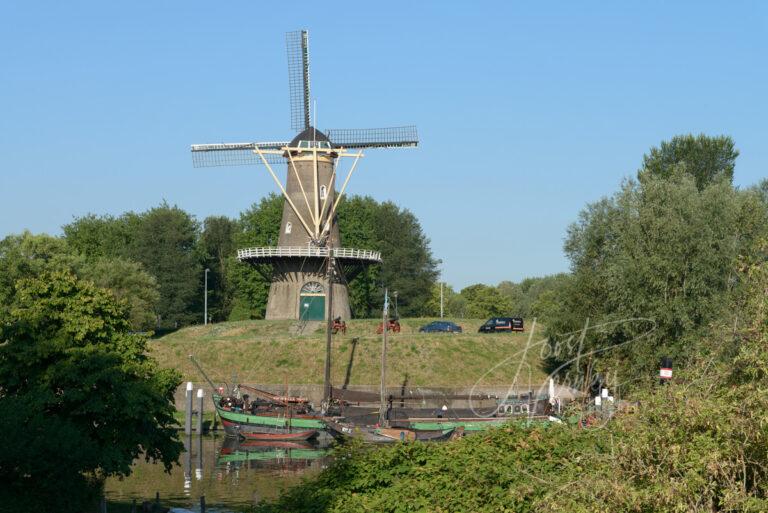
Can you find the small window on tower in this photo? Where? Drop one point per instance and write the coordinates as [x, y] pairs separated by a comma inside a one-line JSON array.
[[323, 192], [288, 227]]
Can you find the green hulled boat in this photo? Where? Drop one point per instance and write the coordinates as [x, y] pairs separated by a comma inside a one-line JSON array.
[[272, 422]]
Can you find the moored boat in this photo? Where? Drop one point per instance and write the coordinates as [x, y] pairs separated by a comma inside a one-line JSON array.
[[378, 434], [281, 437], [264, 418]]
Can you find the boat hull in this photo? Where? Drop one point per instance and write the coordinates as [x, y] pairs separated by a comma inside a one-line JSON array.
[[372, 434], [368, 434], [237, 423], [302, 436]]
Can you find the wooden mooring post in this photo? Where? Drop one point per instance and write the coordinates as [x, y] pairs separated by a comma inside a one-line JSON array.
[[200, 394], [202, 504]]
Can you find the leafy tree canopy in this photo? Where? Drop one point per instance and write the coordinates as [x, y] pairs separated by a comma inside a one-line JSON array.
[[217, 249], [72, 372], [28, 256], [526, 294], [258, 226], [408, 264], [707, 159], [163, 240], [484, 301], [660, 249], [127, 281]]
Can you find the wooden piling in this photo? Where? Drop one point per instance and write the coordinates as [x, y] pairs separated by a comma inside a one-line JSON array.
[[199, 429]]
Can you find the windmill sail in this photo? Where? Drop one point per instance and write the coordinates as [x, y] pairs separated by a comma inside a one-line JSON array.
[[234, 154], [297, 45], [393, 137]]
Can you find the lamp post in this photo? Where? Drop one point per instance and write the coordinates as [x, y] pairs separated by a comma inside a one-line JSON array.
[[205, 299], [441, 299]]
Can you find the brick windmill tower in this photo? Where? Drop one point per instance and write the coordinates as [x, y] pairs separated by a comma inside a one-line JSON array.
[[309, 267]]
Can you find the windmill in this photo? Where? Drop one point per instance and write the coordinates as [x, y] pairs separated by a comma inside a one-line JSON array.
[[309, 261]]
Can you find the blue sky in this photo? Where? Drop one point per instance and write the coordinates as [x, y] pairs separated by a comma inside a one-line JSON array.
[[526, 111]]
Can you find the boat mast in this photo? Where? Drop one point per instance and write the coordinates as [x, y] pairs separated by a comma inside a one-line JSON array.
[[328, 329], [210, 383], [382, 388]]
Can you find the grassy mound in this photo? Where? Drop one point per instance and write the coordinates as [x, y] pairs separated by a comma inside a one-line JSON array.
[[267, 352]]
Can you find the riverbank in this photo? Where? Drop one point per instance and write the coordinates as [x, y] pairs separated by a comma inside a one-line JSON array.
[[269, 352]]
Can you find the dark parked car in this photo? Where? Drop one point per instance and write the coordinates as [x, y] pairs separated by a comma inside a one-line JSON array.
[[502, 324], [441, 327]]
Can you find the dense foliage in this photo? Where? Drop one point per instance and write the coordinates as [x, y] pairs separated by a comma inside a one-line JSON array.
[[27, 255], [79, 398], [503, 470], [216, 248], [258, 226], [706, 159], [408, 265], [661, 249], [530, 297], [164, 241]]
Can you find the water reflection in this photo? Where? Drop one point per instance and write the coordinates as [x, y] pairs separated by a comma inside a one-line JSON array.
[[232, 475]]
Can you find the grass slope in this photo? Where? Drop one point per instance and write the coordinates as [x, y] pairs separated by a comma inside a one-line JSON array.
[[266, 352]]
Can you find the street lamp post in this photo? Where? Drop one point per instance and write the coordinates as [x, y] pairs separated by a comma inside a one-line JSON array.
[[441, 299], [205, 299]]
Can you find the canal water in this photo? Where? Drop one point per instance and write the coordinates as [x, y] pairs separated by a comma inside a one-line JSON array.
[[231, 475]]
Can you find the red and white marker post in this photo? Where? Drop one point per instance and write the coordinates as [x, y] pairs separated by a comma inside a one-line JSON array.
[[665, 371]]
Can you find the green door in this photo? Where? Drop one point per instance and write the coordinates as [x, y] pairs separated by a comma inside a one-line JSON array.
[[312, 308]]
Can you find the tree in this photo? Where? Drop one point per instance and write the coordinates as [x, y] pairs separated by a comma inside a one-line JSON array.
[[357, 228], [27, 255], [127, 281], [102, 236], [524, 295], [408, 266], [258, 226], [163, 241], [662, 250], [707, 159], [484, 301], [454, 304], [71, 371], [217, 250]]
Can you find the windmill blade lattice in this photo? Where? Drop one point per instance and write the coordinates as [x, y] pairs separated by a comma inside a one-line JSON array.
[[393, 137], [297, 46], [235, 154]]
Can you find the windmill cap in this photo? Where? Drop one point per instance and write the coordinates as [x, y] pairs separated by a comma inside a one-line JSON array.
[[309, 134]]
